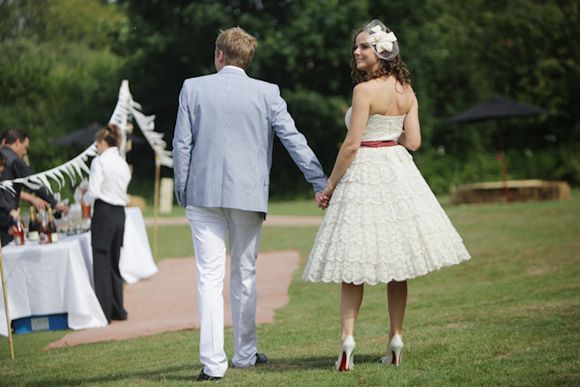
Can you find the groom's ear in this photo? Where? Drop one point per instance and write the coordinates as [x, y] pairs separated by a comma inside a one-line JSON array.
[[219, 59], [220, 56]]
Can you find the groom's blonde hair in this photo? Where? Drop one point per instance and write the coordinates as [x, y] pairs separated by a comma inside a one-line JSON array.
[[238, 46]]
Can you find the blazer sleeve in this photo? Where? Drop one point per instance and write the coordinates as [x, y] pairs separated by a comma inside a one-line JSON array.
[[295, 143], [183, 142]]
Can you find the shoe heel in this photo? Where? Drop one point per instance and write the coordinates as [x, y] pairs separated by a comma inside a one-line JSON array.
[[394, 352], [345, 360], [396, 348]]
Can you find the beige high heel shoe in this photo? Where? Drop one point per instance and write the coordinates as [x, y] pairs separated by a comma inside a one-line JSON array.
[[345, 360], [394, 352]]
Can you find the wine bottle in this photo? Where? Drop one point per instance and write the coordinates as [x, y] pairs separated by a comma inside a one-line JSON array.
[[33, 225], [18, 232], [52, 227], [43, 229]]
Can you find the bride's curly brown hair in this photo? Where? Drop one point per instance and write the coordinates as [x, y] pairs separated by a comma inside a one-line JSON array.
[[395, 67]]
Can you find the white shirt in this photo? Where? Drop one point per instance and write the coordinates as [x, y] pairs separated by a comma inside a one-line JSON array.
[[109, 178], [235, 68]]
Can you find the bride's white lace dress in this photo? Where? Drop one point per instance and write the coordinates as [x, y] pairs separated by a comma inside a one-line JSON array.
[[383, 222]]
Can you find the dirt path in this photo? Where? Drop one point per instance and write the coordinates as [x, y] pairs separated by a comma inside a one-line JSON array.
[[168, 302]]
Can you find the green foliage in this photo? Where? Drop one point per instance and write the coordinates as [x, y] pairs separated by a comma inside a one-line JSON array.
[[63, 60], [58, 72], [468, 52]]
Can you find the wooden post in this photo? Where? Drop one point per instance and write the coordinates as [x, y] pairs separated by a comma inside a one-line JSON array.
[[156, 203], [8, 327], [504, 178]]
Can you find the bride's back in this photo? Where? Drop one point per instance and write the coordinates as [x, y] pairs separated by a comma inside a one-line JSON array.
[[389, 97]]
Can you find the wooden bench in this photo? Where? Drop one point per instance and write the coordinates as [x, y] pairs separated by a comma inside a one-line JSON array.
[[517, 190]]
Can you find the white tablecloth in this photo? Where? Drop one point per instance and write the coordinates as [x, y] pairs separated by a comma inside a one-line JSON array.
[[50, 279], [58, 278], [136, 259]]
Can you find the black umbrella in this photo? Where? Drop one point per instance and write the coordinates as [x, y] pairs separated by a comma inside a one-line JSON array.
[[86, 136], [497, 108]]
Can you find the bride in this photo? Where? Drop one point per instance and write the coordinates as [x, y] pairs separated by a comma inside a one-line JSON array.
[[383, 224]]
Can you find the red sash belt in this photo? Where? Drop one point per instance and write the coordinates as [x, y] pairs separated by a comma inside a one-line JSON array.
[[378, 144]]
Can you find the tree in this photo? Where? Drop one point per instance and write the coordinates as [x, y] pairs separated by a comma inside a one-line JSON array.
[[58, 70]]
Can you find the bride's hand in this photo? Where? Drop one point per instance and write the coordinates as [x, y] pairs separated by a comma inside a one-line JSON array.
[[323, 198]]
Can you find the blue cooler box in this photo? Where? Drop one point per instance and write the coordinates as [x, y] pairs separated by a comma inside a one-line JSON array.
[[51, 322]]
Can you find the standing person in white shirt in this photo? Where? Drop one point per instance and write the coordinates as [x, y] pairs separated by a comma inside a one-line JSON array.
[[108, 182]]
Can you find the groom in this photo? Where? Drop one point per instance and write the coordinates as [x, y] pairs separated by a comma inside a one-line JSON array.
[[222, 154]]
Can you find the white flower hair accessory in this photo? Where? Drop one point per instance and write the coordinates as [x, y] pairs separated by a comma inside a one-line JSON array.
[[383, 40]]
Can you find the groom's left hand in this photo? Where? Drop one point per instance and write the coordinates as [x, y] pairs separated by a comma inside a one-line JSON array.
[[322, 200]]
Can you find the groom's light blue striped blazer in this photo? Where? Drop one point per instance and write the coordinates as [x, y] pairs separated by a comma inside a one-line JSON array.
[[222, 145]]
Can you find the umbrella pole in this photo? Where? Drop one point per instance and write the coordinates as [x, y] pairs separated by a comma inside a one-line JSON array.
[[506, 196], [156, 203], [8, 327]]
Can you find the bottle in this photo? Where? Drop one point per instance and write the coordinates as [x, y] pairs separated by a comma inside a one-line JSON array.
[[52, 227], [18, 232], [43, 230], [85, 210], [33, 225]]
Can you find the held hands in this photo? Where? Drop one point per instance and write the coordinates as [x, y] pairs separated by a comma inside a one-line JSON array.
[[323, 198]]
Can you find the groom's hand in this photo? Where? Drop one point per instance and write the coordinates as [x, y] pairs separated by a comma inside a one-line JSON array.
[[322, 200]]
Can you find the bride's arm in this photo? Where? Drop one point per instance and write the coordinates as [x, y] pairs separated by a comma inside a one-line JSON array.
[[411, 137], [349, 148]]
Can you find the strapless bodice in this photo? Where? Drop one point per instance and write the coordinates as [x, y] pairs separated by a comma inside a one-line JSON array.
[[379, 127]]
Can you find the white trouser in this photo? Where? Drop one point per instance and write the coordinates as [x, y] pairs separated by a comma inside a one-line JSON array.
[[210, 227]]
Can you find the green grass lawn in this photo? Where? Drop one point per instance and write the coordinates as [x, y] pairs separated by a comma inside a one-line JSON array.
[[508, 317]]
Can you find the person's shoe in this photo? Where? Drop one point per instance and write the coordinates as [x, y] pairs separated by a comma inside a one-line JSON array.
[[203, 377], [261, 358], [345, 360], [394, 352], [120, 316]]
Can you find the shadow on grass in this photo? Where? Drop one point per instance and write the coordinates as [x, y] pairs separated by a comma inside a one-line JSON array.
[[181, 373], [188, 372], [312, 363]]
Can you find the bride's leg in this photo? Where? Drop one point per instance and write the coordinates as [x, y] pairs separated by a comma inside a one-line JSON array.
[[397, 296], [351, 300]]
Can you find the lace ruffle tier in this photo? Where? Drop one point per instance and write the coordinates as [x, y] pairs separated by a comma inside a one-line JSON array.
[[383, 224]]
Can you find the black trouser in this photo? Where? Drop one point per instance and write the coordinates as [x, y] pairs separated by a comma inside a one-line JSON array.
[[107, 230]]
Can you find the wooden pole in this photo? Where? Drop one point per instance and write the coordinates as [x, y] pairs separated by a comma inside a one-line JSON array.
[[8, 327], [506, 195], [156, 203]]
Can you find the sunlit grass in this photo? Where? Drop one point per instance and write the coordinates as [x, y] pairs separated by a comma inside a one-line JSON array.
[[507, 317]]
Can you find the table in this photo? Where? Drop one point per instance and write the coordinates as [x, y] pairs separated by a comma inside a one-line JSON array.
[[136, 261], [58, 278], [50, 279]]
